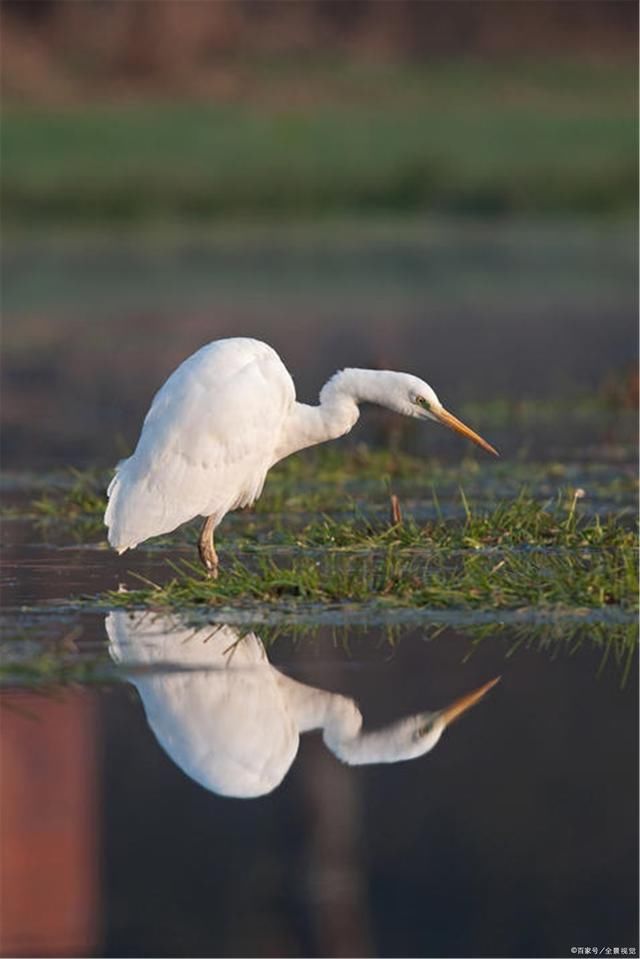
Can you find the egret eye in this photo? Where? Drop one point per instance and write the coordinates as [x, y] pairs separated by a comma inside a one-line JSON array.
[[423, 730], [421, 401]]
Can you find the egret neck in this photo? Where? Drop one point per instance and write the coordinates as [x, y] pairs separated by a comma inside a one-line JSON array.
[[338, 411]]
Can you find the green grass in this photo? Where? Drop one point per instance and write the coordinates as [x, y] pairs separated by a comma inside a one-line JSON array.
[[519, 554], [470, 138], [530, 549], [391, 578], [515, 523]]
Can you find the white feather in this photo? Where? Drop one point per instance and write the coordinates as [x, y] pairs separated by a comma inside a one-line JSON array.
[[206, 444], [232, 721]]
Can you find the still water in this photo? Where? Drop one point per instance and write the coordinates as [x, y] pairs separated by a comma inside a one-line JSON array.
[[207, 795]]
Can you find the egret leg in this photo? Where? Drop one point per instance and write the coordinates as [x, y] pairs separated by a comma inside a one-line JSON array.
[[206, 549]]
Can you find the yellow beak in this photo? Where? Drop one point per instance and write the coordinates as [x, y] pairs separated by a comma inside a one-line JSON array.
[[460, 706], [448, 419]]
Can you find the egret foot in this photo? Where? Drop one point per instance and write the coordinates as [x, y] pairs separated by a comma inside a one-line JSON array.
[[206, 549]]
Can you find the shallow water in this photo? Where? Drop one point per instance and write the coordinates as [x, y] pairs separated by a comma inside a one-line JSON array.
[[516, 834]]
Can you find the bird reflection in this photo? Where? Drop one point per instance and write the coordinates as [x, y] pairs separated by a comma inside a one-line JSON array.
[[232, 722]]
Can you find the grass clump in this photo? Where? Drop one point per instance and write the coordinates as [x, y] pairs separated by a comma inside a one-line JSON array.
[[518, 554], [517, 523], [397, 578]]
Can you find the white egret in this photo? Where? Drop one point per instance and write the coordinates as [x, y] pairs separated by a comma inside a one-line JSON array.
[[232, 722], [221, 421]]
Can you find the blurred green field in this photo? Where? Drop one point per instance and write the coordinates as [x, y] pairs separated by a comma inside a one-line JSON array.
[[334, 137]]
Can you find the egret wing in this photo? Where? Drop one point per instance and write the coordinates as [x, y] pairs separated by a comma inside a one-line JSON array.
[[206, 443]]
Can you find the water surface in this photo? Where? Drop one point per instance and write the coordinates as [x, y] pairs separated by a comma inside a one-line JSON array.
[[515, 835]]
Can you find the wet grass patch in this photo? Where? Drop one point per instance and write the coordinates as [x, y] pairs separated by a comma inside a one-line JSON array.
[[467, 540], [394, 577], [517, 552], [516, 523]]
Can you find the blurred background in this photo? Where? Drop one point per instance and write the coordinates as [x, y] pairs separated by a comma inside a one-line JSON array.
[[447, 188]]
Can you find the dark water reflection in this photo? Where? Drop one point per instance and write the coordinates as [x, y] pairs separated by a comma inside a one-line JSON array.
[[515, 836], [232, 722]]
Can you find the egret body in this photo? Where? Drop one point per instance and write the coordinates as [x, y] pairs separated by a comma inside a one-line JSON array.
[[221, 421]]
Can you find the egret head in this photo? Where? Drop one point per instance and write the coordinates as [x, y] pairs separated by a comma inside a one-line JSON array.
[[429, 727], [421, 402]]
